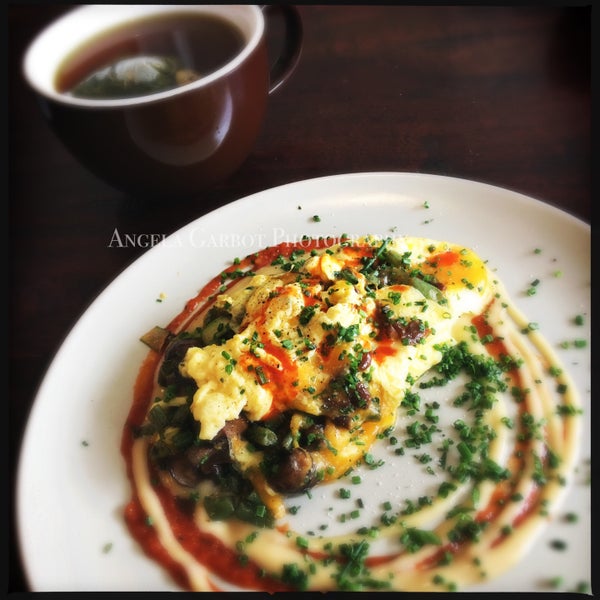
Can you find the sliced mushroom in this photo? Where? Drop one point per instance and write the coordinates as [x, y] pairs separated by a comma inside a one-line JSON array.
[[174, 353], [295, 473]]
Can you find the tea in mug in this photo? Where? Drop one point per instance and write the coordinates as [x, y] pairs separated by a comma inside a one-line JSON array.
[[149, 55]]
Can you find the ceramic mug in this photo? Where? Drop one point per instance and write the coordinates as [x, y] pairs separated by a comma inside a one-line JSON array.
[[170, 143]]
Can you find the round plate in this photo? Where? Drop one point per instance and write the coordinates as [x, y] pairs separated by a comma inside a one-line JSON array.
[[72, 485]]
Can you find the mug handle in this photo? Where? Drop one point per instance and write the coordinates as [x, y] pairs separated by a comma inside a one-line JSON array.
[[289, 55]]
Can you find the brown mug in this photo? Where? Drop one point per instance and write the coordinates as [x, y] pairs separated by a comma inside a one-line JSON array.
[[170, 143]]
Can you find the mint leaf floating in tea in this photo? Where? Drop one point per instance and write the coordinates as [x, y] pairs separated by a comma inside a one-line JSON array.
[[135, 76]]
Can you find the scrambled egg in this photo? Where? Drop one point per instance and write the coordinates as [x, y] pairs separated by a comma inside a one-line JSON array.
[[299, 326]]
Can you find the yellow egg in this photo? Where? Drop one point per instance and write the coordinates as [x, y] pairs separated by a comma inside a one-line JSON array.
[[299, 331]]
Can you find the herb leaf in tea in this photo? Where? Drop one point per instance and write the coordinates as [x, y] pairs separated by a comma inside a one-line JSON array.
[[134, 76]]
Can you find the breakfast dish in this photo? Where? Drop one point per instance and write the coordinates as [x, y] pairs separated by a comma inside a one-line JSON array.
[[286, 370], [413, 505]]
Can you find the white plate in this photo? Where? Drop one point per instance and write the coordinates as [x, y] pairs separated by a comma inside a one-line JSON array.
[[72, 485]]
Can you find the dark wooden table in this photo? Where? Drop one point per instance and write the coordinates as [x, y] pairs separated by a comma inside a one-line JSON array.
[[494, 94]]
